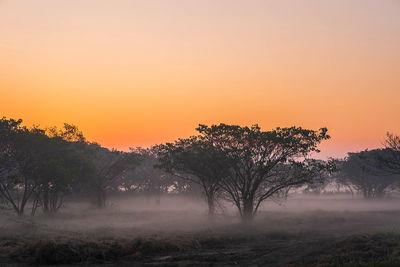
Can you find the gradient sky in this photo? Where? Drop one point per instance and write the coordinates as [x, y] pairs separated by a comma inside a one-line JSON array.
[[132, 73]]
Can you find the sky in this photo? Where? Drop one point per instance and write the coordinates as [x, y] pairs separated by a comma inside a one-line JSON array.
[[137, 73]]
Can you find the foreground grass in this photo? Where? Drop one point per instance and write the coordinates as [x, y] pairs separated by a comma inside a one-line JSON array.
[[378, 249], [185, 238], [270, 249]]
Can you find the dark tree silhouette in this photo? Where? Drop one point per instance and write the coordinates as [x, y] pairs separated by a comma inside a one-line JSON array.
[[22, 156], [197, 160], [39, 165], [65, 165], [389, 162], [263, 164], [366, 172]]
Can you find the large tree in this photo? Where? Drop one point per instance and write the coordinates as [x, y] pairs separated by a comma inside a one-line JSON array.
[[262, 164]]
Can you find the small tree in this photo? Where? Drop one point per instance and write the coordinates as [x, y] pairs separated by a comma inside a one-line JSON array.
[[110, 166], [197, 160]]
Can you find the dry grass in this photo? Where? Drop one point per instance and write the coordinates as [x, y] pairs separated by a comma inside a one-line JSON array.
[[184, 237]]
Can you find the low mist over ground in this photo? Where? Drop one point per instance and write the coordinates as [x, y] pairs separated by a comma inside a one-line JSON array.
[[137, 231]]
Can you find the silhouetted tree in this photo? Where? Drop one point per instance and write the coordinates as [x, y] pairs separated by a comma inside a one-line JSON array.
[[197, 160], [364, 172], [65, 164], [389, 162], [39, 164], [262, 164], [21, 159]]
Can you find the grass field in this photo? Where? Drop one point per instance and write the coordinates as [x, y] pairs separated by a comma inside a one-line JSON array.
[[136, 232]]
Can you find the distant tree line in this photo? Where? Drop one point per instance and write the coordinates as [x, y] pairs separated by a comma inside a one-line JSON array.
[[243, 165], [370, 173]]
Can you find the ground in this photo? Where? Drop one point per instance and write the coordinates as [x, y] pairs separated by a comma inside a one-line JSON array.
[[305, 231]]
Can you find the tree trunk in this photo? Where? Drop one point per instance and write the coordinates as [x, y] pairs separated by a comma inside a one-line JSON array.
[[20, 212], [248, 211], [22, 206], [46, 200], [211, 206], [35, 205], [351, 190], [366, 193]]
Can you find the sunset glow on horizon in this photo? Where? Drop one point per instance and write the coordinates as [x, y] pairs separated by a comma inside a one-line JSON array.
[[137, 73]]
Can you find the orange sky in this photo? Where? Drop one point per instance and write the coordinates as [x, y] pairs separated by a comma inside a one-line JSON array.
[[132, 73]]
